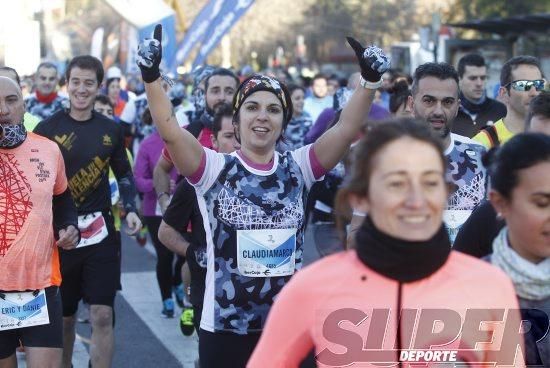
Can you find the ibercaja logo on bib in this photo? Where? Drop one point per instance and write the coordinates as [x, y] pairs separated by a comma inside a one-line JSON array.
[[430, 337]]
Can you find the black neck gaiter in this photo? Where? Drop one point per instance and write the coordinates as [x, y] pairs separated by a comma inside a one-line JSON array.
[[473, 107], [401, 260], [207, 118], [12, 136]]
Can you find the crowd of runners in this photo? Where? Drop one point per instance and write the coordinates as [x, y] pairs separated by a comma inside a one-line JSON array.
[[431, 193]]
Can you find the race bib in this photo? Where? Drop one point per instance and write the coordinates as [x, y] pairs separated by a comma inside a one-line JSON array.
[[266, 253], [454, 219], [23, 309], [115, 194], [92, 229]]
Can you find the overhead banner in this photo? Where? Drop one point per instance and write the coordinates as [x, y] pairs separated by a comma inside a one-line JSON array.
[[168, 38], [144, 16], [230, 13], [196, 31]]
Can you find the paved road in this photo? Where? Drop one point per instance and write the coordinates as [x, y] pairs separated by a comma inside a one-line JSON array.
[[143, 338]]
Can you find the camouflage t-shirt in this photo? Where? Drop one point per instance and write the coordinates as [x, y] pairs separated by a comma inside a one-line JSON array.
[[469, 176], [237, 199], [43, 110], [297, 129]]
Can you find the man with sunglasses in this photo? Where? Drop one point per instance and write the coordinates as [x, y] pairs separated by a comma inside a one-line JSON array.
[[521, 80]]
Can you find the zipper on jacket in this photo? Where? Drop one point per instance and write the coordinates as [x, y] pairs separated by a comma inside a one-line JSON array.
[[399, 311]]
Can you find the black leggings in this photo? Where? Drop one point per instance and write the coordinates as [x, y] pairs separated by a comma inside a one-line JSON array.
[[167, 275], [225, 349]]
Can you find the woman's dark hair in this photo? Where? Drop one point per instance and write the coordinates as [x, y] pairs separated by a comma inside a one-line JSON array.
[[109, 81], [288, 111], [399, 95], [364, 153], [521, 152]]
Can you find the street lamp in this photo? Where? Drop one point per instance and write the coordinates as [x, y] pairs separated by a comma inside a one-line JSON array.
[[436, 27]]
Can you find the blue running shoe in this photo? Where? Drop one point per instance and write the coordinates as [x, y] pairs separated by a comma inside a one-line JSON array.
[[168, 308], [180, 295]]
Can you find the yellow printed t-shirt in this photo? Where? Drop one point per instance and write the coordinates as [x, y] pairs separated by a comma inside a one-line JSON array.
[[31, 175], [503, 135]]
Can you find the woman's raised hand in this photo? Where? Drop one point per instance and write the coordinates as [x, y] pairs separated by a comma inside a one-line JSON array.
[[149, 55], [372, 60]]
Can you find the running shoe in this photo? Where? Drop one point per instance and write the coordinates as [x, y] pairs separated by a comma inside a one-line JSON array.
[[186, 322], [180, 295], [168, 308], [141, 237]]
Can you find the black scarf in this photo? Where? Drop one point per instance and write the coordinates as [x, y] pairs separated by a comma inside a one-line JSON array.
[[207, 118], [401, 260], [473, 107]]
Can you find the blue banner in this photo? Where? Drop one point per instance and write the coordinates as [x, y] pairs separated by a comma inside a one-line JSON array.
[[229, 15], [168, 38], [196, 31]]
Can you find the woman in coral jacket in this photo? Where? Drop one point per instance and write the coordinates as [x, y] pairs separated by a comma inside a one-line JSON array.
[[345, 305]]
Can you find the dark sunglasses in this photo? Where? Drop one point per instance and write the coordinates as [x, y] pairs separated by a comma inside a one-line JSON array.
[[525, 85]]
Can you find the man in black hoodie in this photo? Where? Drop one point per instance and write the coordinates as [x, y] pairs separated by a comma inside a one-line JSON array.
[[476, 109]]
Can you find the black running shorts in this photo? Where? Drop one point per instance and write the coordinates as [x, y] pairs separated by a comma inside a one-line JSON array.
[[91, 273], [43, 336]]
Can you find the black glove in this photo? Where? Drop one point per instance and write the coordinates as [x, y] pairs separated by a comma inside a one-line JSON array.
[[372, 60], [149, 55]]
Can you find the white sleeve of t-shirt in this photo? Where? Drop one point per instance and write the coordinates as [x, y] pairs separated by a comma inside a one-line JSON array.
[[214, 164], [302, 158]]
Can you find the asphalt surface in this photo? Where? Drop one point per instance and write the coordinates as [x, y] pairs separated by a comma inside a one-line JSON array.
[[142, 337]]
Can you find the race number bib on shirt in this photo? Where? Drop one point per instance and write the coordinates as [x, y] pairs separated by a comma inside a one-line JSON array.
[[115, 194], [92, 229], [23, 309], [266, 253], [454, 219]]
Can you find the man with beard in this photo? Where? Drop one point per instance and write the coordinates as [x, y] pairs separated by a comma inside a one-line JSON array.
[[435, 100], [220, 87], [319, 100], [37, 209]]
